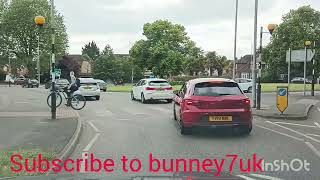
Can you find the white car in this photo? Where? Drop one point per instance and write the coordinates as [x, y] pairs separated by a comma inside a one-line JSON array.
[[245, 84], [89, 88], [152, 89]]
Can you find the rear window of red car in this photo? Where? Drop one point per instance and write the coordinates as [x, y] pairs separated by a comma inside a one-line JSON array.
[[217, 89]]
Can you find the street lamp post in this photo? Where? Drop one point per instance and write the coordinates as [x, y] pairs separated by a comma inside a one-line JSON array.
[[254, 63], [306, 45], [235, 41], [39, 20], [271, 28]]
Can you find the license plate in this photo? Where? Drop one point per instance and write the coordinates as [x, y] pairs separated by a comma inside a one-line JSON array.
[[160, 89], [87, 87], [220, 118]]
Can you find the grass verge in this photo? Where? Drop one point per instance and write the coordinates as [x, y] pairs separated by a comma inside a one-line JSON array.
[[266, 87], [6, 164]]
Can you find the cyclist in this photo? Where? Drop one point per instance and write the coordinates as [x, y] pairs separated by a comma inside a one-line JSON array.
[[73, 87]]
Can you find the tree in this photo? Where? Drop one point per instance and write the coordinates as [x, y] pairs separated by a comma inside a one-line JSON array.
[[165, 49], [91, 49], [19, 32], [104, 67], [298, 26], [107, 51], [214, 61]]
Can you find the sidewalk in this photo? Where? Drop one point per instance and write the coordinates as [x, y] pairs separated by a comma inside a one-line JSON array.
[[297, 110], [36, 132]]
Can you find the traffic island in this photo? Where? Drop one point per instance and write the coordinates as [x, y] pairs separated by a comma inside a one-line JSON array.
[[298, 111]]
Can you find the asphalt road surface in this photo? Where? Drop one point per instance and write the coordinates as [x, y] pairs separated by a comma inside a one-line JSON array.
[[116, 126]]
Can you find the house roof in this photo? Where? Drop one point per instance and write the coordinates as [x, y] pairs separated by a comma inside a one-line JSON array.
[[245, 59]]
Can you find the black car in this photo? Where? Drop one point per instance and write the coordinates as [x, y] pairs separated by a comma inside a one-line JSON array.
[[30, 83]]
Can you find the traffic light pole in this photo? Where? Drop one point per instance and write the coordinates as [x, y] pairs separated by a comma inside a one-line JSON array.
[[53, 97]]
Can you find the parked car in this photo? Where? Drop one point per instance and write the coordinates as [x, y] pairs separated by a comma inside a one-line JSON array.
[[89, 88], [20, 80], [244, 84], [300, 80], [102, 85], [152, 89], [212, 103], [30, 83]]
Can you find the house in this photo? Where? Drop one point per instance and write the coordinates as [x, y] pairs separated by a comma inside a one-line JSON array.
[[244, 67], [77, 63]]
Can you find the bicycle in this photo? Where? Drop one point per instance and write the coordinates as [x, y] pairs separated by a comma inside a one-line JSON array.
[[77, 101]]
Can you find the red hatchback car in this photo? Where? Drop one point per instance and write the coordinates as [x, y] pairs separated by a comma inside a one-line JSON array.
[[212, 102]]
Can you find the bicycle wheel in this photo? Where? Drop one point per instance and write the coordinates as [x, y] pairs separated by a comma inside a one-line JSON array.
[[58, 99], [78, 102]]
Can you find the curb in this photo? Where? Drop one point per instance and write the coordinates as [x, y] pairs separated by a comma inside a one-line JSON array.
[[69, 148], [286, 117]]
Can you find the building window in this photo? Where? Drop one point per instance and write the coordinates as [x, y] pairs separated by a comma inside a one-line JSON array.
[[245, 75]]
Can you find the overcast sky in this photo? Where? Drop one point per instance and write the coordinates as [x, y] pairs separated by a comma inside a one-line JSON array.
[[210, 23]]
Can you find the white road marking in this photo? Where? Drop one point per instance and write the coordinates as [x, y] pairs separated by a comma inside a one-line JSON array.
[[317, 135], [302, 125], [284, 134], [317, 124], [297, 132], [313, 149], [245, 177], [82, 166], [318, 108], [23, 103], [94, 127], [89, 145], [265, 177]]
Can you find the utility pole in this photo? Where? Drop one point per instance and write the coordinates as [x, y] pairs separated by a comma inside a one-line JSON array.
[[235, 41], [313, 69], [53, 97], [254, 63]]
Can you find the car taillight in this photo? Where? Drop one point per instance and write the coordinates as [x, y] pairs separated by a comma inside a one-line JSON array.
[[150, 89], [189, 102], [169, 88], [247, 102]]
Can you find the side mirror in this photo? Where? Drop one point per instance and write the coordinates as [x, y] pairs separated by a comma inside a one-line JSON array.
[[134, 85]]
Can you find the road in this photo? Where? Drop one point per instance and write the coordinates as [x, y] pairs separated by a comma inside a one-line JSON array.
[[116, 126]]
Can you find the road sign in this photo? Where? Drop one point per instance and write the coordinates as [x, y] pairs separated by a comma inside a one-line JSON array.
[[282, 98], [57, 72], [299, 55]]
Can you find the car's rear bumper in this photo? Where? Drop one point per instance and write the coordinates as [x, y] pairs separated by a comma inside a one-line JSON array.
[[158, 95], [201, 119], [88, 93]]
